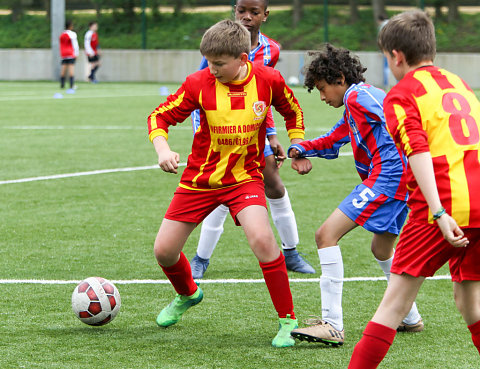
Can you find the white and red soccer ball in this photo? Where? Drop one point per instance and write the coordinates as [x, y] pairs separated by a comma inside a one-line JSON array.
[[96, 301]]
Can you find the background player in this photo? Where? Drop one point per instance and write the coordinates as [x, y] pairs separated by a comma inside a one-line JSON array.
[[225, 164], [434, 117], [378, 204], [92, 50], [252, 13], [68, 53]]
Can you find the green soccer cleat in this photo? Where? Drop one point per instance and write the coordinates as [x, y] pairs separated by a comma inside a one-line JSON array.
[[172, 313], [283, 337]]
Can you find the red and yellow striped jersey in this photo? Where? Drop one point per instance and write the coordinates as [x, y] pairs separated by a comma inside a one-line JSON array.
[[433, 110], [227, 149]]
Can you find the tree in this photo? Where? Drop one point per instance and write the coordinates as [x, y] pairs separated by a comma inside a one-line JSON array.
[[353, 10], [155, 4], [46, 6], [98, 5], [378, 7], [129, 8], [453, 14], [438, 8], [178, 7], [297, 12], [18, 8]]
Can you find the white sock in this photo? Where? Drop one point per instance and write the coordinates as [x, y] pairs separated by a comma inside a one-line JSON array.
[[212, 229], [284, 220], [385, 265], [413, 316], [331, 285]]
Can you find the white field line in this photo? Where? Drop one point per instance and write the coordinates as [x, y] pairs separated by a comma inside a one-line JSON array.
[[202, 281], [93, 172], [79, 174], [139, 127], [50, 97]]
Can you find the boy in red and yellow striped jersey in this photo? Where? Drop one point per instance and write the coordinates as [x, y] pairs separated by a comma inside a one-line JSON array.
[[225, 165], [434, 117]]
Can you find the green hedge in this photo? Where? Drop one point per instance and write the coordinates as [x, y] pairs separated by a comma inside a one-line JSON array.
[[168, 31]]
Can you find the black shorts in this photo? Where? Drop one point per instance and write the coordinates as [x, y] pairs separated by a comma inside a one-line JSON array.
[[93, 59], [68, 61]]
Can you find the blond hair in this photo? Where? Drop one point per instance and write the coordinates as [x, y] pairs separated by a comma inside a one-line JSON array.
[[412, 33], [226, 38]]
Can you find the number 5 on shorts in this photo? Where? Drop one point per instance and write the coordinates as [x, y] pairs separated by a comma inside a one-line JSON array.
[[363, 196]]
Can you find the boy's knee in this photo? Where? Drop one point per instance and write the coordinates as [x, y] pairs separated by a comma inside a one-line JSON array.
[[275, 190], [265, 246], [323, 239], [381, 253], [164, 256]]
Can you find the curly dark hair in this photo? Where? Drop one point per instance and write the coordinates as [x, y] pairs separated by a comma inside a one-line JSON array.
[[330, 64]]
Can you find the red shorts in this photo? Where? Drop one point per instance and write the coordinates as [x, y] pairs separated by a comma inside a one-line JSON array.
[[193, 206], [422, 250]]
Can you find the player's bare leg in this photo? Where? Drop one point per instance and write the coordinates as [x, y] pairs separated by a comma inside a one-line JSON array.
[[256, 225], [381, 330], [467, 299], [168, 246], [71, 74], [283, 217], [383, 250], [63, 70]]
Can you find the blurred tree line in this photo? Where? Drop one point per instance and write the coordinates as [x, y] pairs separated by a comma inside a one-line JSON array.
[[130, 8]]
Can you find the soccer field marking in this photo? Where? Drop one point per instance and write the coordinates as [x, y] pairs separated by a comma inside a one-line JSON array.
[[79, 174], [201, 281], [94, 172], [50, 97], [119, 127]]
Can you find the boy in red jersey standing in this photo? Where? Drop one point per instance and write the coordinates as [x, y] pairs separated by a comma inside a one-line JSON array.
[[225, 165], [92, 50], [265, 51], [434, 117], [68, 54]]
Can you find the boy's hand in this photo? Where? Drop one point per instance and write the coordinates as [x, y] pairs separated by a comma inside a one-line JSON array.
[[451, 231], [168, 161], [293, 153], [277, 149], [301, 165], [280, 156]]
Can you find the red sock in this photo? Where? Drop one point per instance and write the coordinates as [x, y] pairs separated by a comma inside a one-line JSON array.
[[475, 329], [373, 346], [180, 275], [276, 278]]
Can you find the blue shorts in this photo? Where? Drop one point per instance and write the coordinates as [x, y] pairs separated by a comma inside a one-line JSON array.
[[375, 212], [267, 151]]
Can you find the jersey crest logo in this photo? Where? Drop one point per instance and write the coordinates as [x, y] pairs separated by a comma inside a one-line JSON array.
[[259, 107]]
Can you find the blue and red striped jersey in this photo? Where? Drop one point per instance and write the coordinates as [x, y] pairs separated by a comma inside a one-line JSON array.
[[377, 160]]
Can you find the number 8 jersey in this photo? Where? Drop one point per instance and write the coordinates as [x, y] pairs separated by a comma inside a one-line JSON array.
[[450, 134]]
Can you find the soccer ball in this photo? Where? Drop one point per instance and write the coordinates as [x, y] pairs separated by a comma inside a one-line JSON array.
[[96, 301], [293, 81]]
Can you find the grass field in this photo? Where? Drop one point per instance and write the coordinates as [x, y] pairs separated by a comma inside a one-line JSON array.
[[55, 232]]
